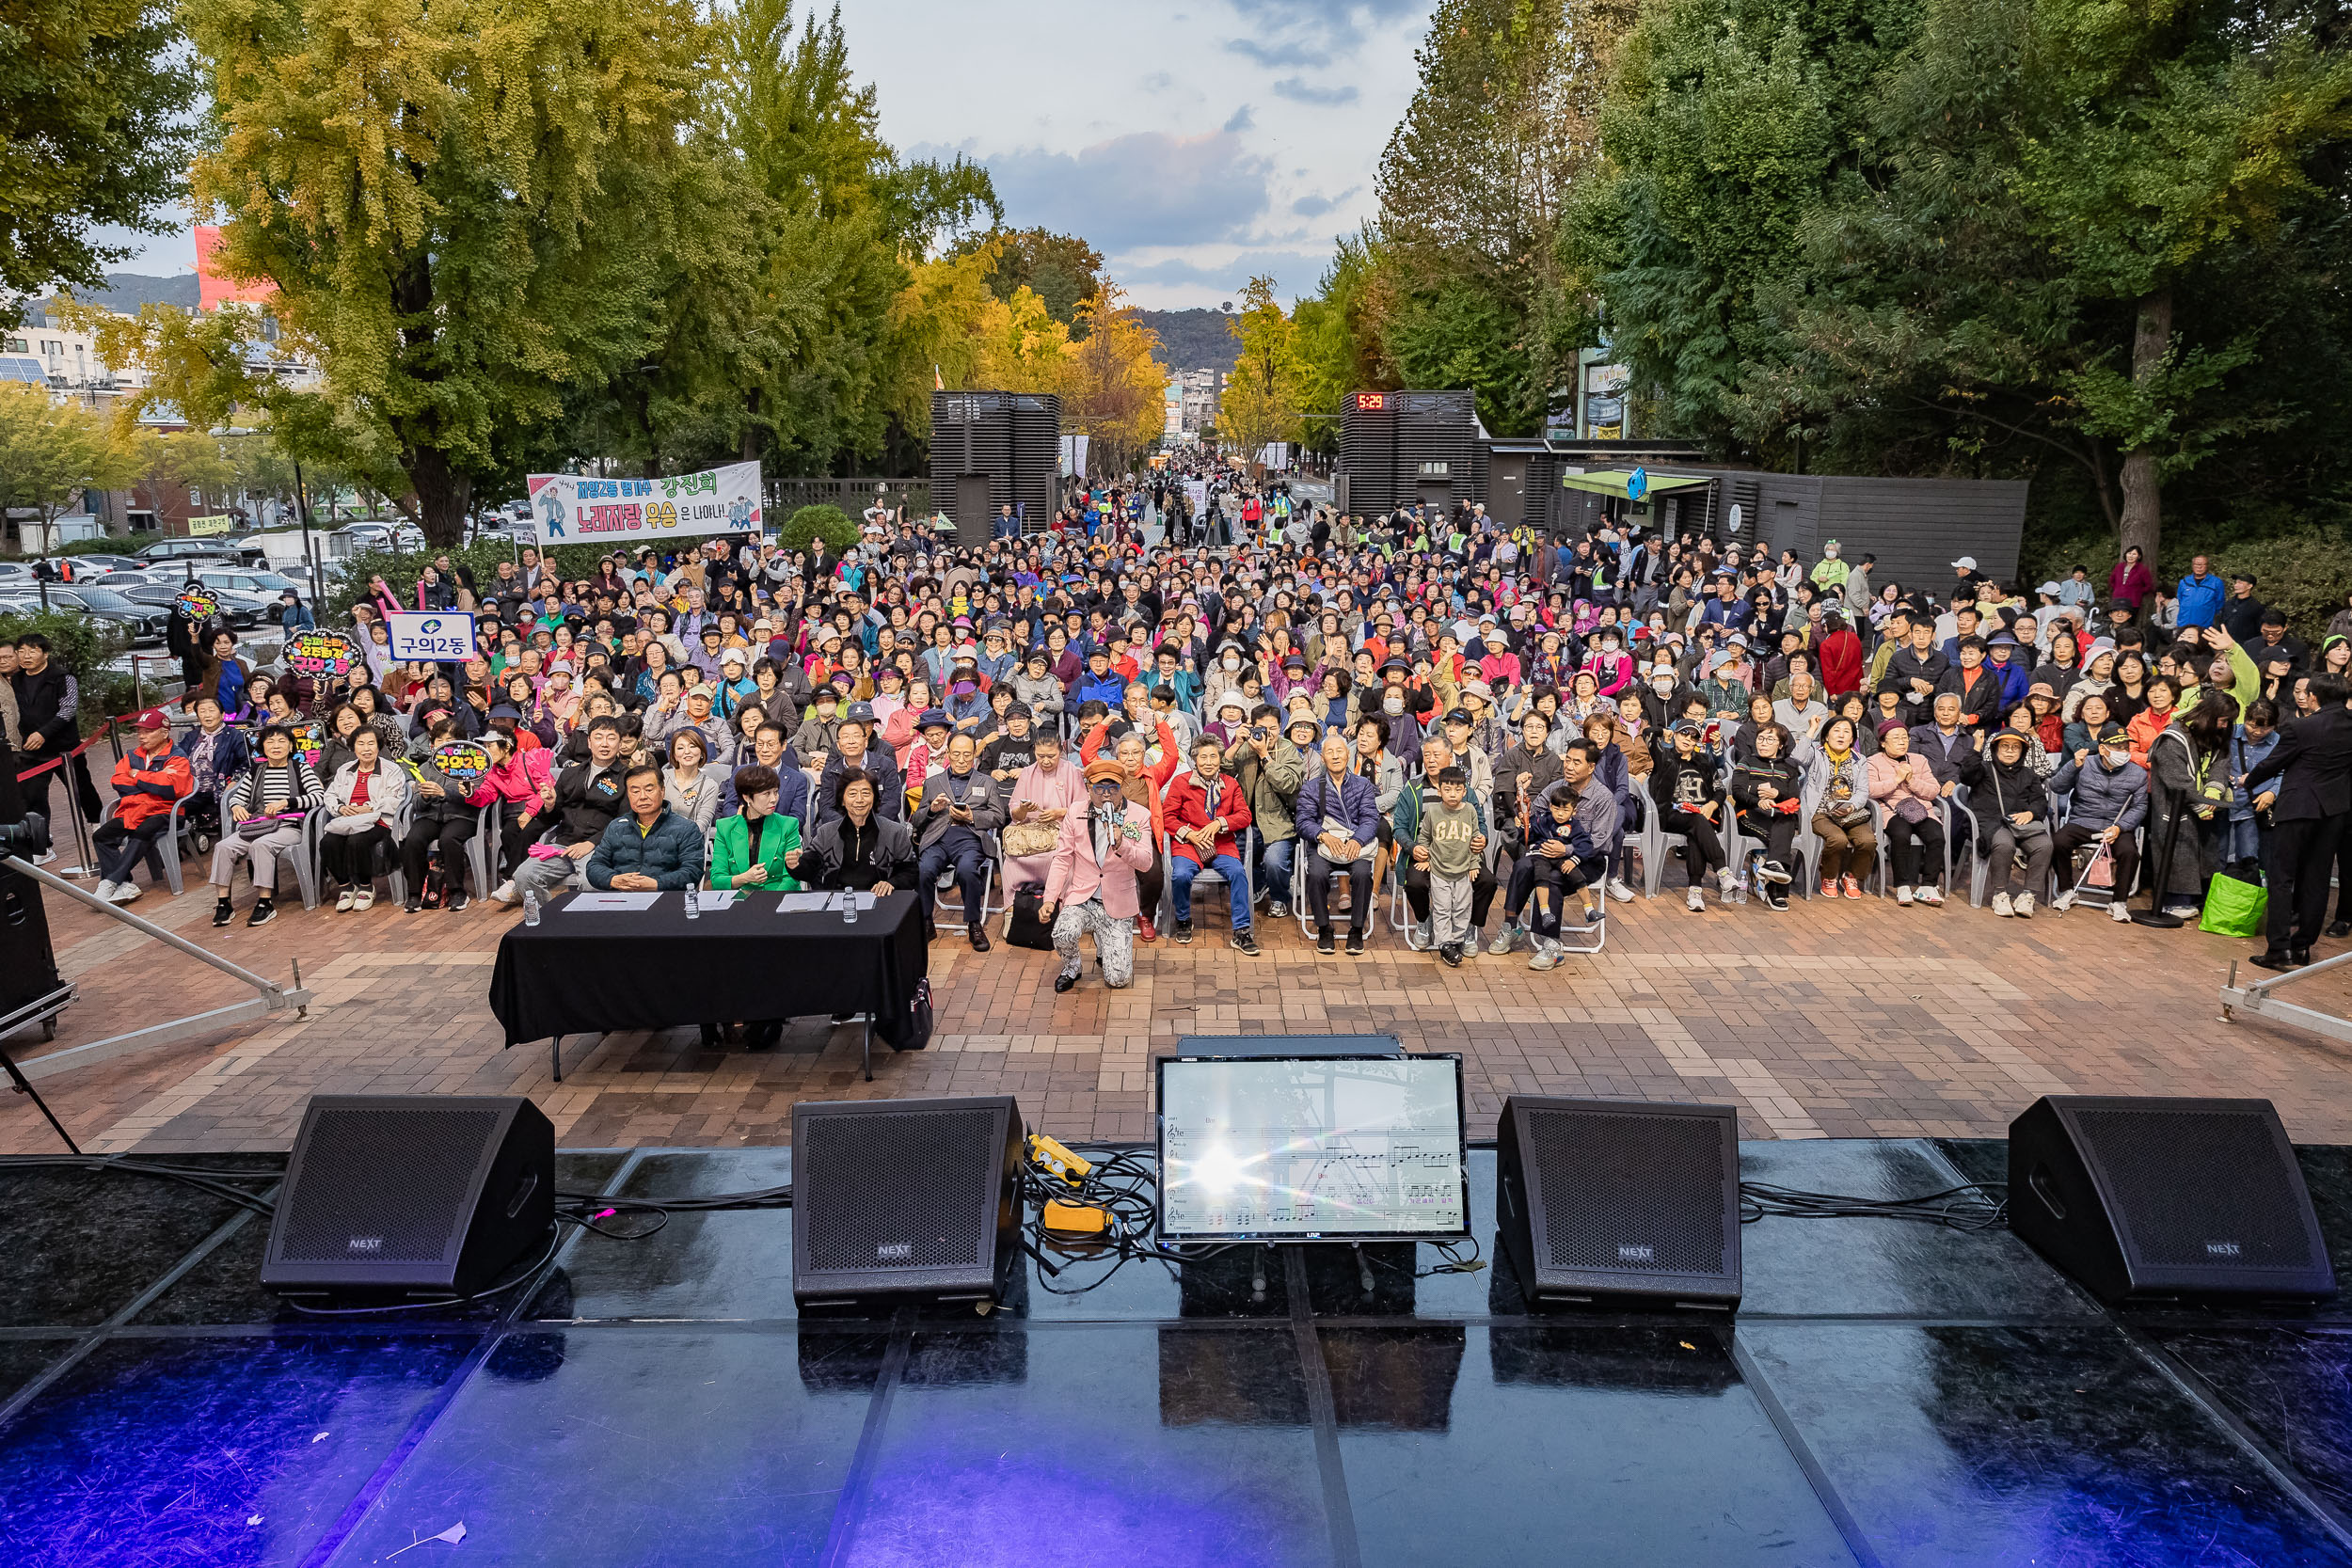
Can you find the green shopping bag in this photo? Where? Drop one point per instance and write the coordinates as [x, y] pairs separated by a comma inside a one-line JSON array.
[[2234, 908]]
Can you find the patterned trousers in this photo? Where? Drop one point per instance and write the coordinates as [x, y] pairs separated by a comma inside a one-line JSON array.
[[1114, 940]]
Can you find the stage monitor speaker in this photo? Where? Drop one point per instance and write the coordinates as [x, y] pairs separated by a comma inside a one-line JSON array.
[[1602, 1200], [420, 1195], [904, 1198], [2154, 1198]]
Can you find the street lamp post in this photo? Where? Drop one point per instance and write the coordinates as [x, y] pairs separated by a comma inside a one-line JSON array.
[[302, 514]]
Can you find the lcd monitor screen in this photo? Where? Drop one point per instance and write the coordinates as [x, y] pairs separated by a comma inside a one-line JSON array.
[[1312, 1148]]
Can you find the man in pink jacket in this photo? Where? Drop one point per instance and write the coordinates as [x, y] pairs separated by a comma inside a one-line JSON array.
[[1091, 881]]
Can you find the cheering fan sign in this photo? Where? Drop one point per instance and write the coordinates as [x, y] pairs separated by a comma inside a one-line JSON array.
[[320, 653], [461, 760], [195, 605]]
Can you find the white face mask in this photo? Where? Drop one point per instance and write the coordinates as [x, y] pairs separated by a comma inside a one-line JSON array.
[[1662, 684], [1233, 661], [1392, 705]]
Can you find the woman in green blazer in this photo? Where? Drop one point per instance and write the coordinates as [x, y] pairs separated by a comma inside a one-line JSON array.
[[735, 862]]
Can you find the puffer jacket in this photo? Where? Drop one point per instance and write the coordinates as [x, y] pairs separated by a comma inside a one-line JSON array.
[[2101, 799], [1998, 791], [670, 852]]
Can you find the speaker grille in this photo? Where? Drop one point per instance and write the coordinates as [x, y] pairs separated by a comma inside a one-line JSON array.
[[2198, 1189], [394, 1182], [922, 1216], [1628, 1192]]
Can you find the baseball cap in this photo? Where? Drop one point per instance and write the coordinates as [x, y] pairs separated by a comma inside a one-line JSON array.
[[1966, 563], [862, 713], [1459, 715], [150, 719]]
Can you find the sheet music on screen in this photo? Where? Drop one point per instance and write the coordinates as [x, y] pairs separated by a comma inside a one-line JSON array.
[[1307, 1147]]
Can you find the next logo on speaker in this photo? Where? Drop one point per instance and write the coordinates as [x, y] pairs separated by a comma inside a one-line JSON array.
[[895, 1252], [2221, 1249], [366, 1244], [1631, 1253]]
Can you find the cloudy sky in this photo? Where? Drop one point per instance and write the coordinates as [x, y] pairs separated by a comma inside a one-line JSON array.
[[1193, 146]]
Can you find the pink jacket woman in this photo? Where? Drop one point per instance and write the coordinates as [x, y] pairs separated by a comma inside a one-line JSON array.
[[1077, 876], [1907, 789]]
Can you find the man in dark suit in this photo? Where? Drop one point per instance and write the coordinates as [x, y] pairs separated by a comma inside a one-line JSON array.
[[2312, 763]]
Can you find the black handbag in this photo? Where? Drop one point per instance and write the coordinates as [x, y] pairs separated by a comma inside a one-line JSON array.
[[914, 1032], [1026, 928]]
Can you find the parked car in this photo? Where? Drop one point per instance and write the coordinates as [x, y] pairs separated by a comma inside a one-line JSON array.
[[197, 549], [107, 563], [143, 623], [159, 595]]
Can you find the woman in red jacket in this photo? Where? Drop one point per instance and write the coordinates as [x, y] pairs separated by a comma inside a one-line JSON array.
[[2131, 581], [1841, 656]]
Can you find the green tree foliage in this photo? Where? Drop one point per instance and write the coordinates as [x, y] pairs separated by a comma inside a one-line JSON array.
[[1264, 398], [1340, 347], [2009, 236], [463, 207], [1061, 269], [93, 130], [1460, 280], [829, 523], [50, 452]]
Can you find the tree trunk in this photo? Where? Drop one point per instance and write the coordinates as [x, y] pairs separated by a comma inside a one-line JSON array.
[[2143, 497], [443, 496]]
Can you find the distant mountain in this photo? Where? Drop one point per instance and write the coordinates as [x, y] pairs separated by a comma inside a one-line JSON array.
[[127, 290], [1193, 340]]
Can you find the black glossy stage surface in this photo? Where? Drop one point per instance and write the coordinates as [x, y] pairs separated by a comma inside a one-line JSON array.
[[1891, 1393]]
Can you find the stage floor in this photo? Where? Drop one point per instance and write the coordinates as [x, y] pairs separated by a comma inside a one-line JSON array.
[[1891, 1393]]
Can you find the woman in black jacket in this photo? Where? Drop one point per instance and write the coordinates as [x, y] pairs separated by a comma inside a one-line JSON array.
[[2012, 813], [1767, 787]]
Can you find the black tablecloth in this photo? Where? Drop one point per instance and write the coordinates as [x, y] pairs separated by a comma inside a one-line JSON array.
[[591, 971]]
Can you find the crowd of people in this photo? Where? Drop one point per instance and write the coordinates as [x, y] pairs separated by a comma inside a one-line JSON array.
[[1178, 686]]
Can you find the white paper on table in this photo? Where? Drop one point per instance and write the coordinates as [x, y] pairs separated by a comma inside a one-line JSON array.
[[613, 901], [864, 901], [715, 899], [805, 903]]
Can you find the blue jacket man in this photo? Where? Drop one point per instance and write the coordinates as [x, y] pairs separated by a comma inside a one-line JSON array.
[[2200, 593], [1334, 805]]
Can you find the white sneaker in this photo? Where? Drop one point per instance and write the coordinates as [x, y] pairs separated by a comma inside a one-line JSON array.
[[2063, 902], [126, 893], [345, 900], [1620, 890], [504, 894], [45, 856], [1903, 895], [2185, 912], [106, 890], [1418, 936], [2025, 905], [1932, 894], [1697, 902], [363, 899], [2001, 905], [2117, 913], [1726, 879], [1502, 943]]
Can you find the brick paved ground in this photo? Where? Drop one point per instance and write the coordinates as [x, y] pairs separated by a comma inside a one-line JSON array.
[[1838, 1019]]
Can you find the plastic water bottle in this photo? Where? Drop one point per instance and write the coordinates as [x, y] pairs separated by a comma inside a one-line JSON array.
[[849, 906], [1740, 885], [693, 904], [531, 906]]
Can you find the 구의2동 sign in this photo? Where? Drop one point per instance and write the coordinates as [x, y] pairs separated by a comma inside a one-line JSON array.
[[443, 636]]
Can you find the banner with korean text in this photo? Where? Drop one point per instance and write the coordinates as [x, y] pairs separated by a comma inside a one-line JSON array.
[[574, 509]]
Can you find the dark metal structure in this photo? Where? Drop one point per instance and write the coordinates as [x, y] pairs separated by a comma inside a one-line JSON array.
[[994, 449], [1398, 448]]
